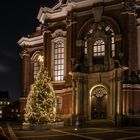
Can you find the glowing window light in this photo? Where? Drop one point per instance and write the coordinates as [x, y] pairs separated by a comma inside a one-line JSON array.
[[59, 60], [99, 48]]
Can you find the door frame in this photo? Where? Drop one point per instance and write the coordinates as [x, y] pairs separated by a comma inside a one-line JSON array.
[[106, 91]]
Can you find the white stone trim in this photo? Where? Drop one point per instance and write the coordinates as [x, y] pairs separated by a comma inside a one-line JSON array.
[[34, 48], [63, 90], [65, 56], [51, 13], [132, 86], [35, 54], [30, 41]]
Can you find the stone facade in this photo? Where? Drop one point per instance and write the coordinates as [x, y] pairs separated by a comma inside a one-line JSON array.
[[91, 50]]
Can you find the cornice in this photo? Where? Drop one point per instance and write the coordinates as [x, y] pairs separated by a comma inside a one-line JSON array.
[[131, 86], [25, 41], [50, 13]]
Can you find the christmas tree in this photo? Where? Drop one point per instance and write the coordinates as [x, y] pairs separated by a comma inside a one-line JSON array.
[[41, 101]]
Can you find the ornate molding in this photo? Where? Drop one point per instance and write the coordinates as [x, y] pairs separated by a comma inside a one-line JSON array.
[[99, 91], [131, 86], [59, 33], [62, 10], [24, 53], [97, 12], [25, 41]]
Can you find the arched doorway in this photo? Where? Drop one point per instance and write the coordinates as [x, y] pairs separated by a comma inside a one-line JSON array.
[[98, 101]]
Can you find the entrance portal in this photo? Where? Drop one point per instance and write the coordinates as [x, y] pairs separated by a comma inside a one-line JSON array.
[[99, 103]]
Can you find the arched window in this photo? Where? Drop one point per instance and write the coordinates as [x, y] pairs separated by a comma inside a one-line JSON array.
[[36, 64], [99, 48], [108, 28], [98, 51], [59, 60]]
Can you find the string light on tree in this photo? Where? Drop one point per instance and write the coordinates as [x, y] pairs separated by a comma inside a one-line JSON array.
[[41, 101]]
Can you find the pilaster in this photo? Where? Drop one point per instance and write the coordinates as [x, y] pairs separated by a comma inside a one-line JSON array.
[[25, 73], [47, 49], [71, 41], [138, 41], [129, 27]]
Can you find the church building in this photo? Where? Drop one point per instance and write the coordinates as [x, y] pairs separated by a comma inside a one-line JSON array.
[[91, 50]]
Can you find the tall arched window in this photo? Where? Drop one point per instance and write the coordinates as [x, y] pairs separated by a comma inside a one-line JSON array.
[[59, 60], [108, 28], [99, 48], [98, 51], [36, 64]]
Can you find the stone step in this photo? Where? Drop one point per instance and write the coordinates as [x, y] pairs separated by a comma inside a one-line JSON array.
[[100, 123]]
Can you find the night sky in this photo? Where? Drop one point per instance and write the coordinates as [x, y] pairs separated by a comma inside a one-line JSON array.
[[17, 19]]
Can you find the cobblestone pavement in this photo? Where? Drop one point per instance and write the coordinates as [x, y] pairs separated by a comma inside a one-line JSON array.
[[71, 133]]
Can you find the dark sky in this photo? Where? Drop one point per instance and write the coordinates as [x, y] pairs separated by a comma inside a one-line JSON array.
[[17, 19]]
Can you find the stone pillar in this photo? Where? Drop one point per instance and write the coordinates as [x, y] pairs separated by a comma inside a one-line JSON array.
[[107, 60], [78, 91], [129, 27], [90, 56], [78, 97], [71, 42], [119, 96], [74, 88], [25, 73], [31, 72], [47, 49], [138, 41], [25, 79]]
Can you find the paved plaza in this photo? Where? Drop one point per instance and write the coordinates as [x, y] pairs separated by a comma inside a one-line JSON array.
[[72, 133], [81, 134]]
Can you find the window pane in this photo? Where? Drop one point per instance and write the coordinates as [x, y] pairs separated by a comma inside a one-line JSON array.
[[99, 48], [59, 60], [36, 65]]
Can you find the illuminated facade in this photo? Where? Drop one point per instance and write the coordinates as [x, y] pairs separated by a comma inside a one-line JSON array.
[[91, 50]]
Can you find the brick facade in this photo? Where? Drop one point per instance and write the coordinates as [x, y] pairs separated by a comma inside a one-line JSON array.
[[85, 82]]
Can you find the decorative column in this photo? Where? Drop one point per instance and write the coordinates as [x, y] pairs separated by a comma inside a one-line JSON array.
[[77, 93], [138, 41], [47, 48], [31, 72], [71, 42], [129, 27], [119, 94], [25, 79], [74, 88]]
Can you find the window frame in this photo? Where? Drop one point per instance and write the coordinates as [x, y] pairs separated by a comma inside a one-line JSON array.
[[58, 60], [98, 48]]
